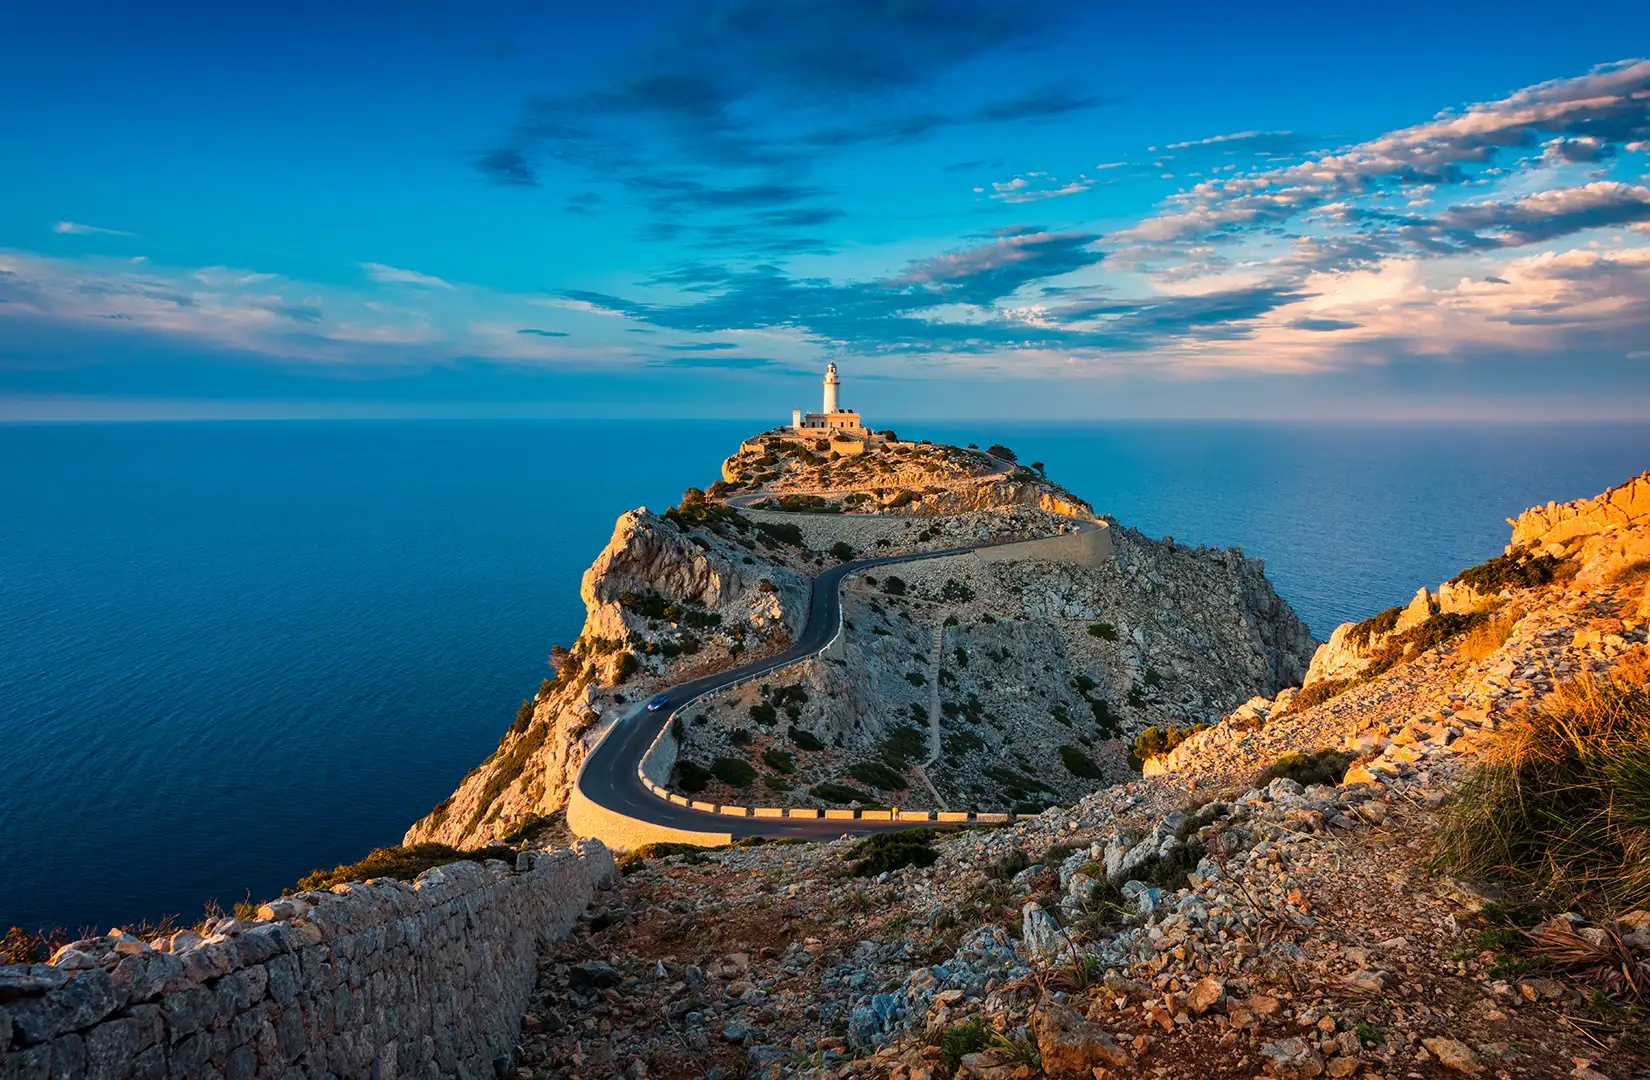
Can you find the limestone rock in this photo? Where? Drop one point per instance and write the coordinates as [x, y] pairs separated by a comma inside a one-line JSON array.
[[1454, 1054], [1072, 1046]]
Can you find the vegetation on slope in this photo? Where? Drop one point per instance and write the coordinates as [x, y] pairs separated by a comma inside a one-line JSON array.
[[1561, 807]]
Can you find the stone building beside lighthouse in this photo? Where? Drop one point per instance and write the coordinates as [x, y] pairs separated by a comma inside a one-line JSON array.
[[833, 421]]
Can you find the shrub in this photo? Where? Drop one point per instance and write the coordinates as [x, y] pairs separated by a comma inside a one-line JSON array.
[[998, 450], [877, 775], [956, 591], [779, 761], [1560, 806], [785, 533], [692, 777], [1103, 630], [962, 657], [805, 740], [1078, 763], [661, 849], [777, 783], [903, 745], [960, 1040], [1323, 767], [1517, 569], [892, 851], [916, 678], [733, 772], [524, 717], [842, 551], [764, 713], [627, 667], [960, 743], [893, 586], [838, 793], [1379, 623], [401, 863], [647, 604]]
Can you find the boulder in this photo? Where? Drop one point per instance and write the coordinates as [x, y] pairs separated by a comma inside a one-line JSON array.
[[1072, 1046]]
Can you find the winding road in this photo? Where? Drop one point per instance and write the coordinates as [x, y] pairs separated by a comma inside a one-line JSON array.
[[609, 775]]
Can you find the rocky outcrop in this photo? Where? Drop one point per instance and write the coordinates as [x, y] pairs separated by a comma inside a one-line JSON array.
[[1605, 534], [388, 978]]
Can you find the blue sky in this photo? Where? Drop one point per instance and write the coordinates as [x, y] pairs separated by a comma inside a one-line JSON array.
[[976, 209]]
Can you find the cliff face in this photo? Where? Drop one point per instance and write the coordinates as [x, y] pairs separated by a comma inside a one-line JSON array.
[[1016, 682], [660, 606]]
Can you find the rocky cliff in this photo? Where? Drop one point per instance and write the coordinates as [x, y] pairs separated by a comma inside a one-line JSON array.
[[959, 682]]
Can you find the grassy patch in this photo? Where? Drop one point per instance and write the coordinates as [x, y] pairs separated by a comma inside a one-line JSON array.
[[401, 863], [661, 850], [1561, 806]]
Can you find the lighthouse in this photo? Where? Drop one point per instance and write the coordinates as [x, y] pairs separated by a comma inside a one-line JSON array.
[[841, 426]]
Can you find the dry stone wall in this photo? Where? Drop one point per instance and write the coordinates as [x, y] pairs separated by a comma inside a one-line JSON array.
[[377, 980]]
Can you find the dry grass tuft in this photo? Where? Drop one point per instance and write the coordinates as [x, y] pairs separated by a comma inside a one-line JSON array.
[[1561, 806], [1488, 636]]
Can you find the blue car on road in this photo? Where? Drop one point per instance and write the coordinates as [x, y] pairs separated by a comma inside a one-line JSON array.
[[659, 701]]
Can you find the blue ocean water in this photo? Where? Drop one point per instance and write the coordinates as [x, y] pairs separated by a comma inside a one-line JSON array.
[[231, 653]]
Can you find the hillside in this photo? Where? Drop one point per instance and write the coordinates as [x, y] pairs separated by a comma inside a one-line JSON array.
[[1280, 897], [960, 682]]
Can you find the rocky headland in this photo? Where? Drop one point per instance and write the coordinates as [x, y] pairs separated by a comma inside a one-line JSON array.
[[960, 682], [1420, 849]]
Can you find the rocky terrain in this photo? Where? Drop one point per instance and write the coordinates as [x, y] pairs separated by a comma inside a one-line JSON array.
[[959, 683], [1270, 901]]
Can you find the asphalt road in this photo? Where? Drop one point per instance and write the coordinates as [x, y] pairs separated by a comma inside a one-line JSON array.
[[608, 777]]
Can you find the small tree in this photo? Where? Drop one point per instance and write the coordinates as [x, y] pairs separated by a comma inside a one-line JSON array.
[[693, 496], [1041, 470], [998, 450], [842, 550]]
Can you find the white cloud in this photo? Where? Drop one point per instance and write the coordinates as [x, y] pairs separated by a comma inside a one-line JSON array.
[[1036, 186], [392, 275], [1236, 136], [75, 228]]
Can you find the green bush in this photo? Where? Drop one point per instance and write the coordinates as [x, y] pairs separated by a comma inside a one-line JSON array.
[[1379, 623], [764, 713], [904, 745], [960, 1040], [893, 586], [892, 851], [842, 550], [1517, 569], [786, 533], [1103, 630], [805, 740], [1323, 767], [960, 743], [998, 450], [627, 667], [647, 604], [692, 777], [733, 772], [956, 591], [1560, 808], [1078, 763], [839, 793], [524, 717], [877, 775], [779, 761]]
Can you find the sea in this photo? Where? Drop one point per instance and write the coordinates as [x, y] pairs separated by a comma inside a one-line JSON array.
[[231, 653]]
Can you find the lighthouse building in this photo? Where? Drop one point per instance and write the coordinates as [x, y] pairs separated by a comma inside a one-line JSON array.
[[832, 419]]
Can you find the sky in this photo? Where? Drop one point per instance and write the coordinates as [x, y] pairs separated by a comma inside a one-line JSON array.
[[976, 209]]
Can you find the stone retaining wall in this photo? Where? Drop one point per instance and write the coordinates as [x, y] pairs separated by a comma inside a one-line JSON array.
[[377, 980]]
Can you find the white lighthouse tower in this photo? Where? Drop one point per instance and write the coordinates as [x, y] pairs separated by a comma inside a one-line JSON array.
[[842, 427]]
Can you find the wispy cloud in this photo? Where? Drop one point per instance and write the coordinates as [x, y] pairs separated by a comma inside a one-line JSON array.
[[1036, 186], [393, 275], [75, 228]]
